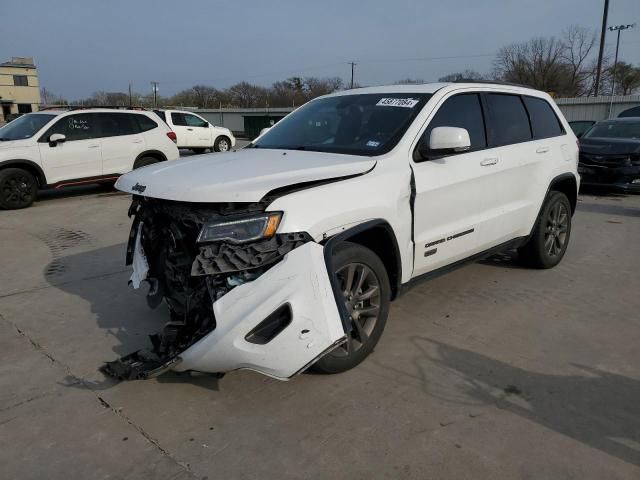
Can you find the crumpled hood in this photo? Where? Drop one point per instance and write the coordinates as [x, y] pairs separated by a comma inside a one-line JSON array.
[[609, 146], [243, 176]]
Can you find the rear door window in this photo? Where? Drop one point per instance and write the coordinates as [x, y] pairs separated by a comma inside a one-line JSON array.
[[508, 121], [118, 124], [544, 121], [462, 111], [178, 119]]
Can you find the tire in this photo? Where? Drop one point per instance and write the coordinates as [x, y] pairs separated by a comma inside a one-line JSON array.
[[222, 144], [18, 188], [548, 242], [198, 150], [144, 161], [352, 259]]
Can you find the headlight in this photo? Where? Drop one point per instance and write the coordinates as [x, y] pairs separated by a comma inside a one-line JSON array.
[[241, 230]]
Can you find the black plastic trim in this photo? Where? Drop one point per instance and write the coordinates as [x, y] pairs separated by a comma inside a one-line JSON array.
[[516, 242], [271, 326], [149, 153], [42, 180], [344, 236]]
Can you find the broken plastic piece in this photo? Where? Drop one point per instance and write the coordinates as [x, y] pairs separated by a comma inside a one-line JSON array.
[[140, 264]]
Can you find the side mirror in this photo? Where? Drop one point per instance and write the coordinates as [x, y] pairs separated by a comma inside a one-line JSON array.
[[206, 124], [449, 140], [57, 138]]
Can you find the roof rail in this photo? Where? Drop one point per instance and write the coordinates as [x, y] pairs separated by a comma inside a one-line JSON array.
[[89, 107], [494, 82]]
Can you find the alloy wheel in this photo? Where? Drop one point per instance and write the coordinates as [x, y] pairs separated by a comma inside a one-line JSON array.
[[361, 289], [17, 189], [556, 229]]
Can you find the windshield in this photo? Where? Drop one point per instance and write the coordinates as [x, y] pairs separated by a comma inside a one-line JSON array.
[[365, 124], [615, 130], [25, 126]]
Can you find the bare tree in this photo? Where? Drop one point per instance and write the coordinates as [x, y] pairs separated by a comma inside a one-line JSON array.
[[458, 76], [627, 78], [537, 63], [577, 43]]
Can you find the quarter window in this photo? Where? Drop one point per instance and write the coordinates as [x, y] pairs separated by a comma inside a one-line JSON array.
[[178, 119], [117, 124], [462, 111], [544, 121], [145, 123], [509, 121]]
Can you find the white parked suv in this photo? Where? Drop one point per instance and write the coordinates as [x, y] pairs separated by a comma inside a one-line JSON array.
[[196, 133], [59, 148], [287, 254]]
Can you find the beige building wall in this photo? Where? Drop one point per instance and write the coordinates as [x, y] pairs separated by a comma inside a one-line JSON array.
[[12, 95]]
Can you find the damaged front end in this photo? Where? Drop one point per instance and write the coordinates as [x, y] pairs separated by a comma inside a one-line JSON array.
[[239, 295]]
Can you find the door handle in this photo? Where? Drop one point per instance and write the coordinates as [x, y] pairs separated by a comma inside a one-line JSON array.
[[94, 146], [542, 150], [190, 129], [488, 161]]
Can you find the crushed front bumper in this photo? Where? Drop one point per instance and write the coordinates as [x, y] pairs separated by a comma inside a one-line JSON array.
[[277, 324], [294, 300]]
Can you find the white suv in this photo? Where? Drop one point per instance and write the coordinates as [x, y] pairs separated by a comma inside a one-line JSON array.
[[195, 133], [287, 254], [59, 148]]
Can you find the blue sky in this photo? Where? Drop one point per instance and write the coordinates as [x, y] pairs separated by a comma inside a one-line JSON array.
[[84, 46]]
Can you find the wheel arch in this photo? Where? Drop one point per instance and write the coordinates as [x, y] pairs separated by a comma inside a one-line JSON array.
[[32, 167], [157, 154], [379, 237], [567, 184]]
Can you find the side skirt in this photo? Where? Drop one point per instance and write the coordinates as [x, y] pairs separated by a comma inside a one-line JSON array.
[[515, 243]]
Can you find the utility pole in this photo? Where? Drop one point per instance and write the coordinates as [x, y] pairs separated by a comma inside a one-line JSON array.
[[618, 28], [605, 14], [353, 64], [130, 97], [154, 86]]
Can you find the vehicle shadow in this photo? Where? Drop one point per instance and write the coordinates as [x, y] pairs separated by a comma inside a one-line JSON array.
[[506, 259], [598, 408], [608, 209], [99, 189], [99, 277]]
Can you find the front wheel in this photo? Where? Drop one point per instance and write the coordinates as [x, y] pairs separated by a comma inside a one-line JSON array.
[[18, 188], [550, 238], [222, 144], [367, 294]]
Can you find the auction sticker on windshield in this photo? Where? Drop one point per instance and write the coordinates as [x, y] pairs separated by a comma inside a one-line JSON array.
[[397, 102]]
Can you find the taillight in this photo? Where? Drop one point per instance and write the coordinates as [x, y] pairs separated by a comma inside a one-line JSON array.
[[172, 136]]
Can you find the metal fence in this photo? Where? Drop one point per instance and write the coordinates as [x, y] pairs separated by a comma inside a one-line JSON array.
[[596, 108]]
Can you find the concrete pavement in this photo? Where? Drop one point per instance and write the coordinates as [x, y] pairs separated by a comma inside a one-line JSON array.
[[493, 371]]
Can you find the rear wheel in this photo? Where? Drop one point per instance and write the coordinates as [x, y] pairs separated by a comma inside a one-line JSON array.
[[144, 161], [18, 188], [222, 144], [367, 294], [550, 237]]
